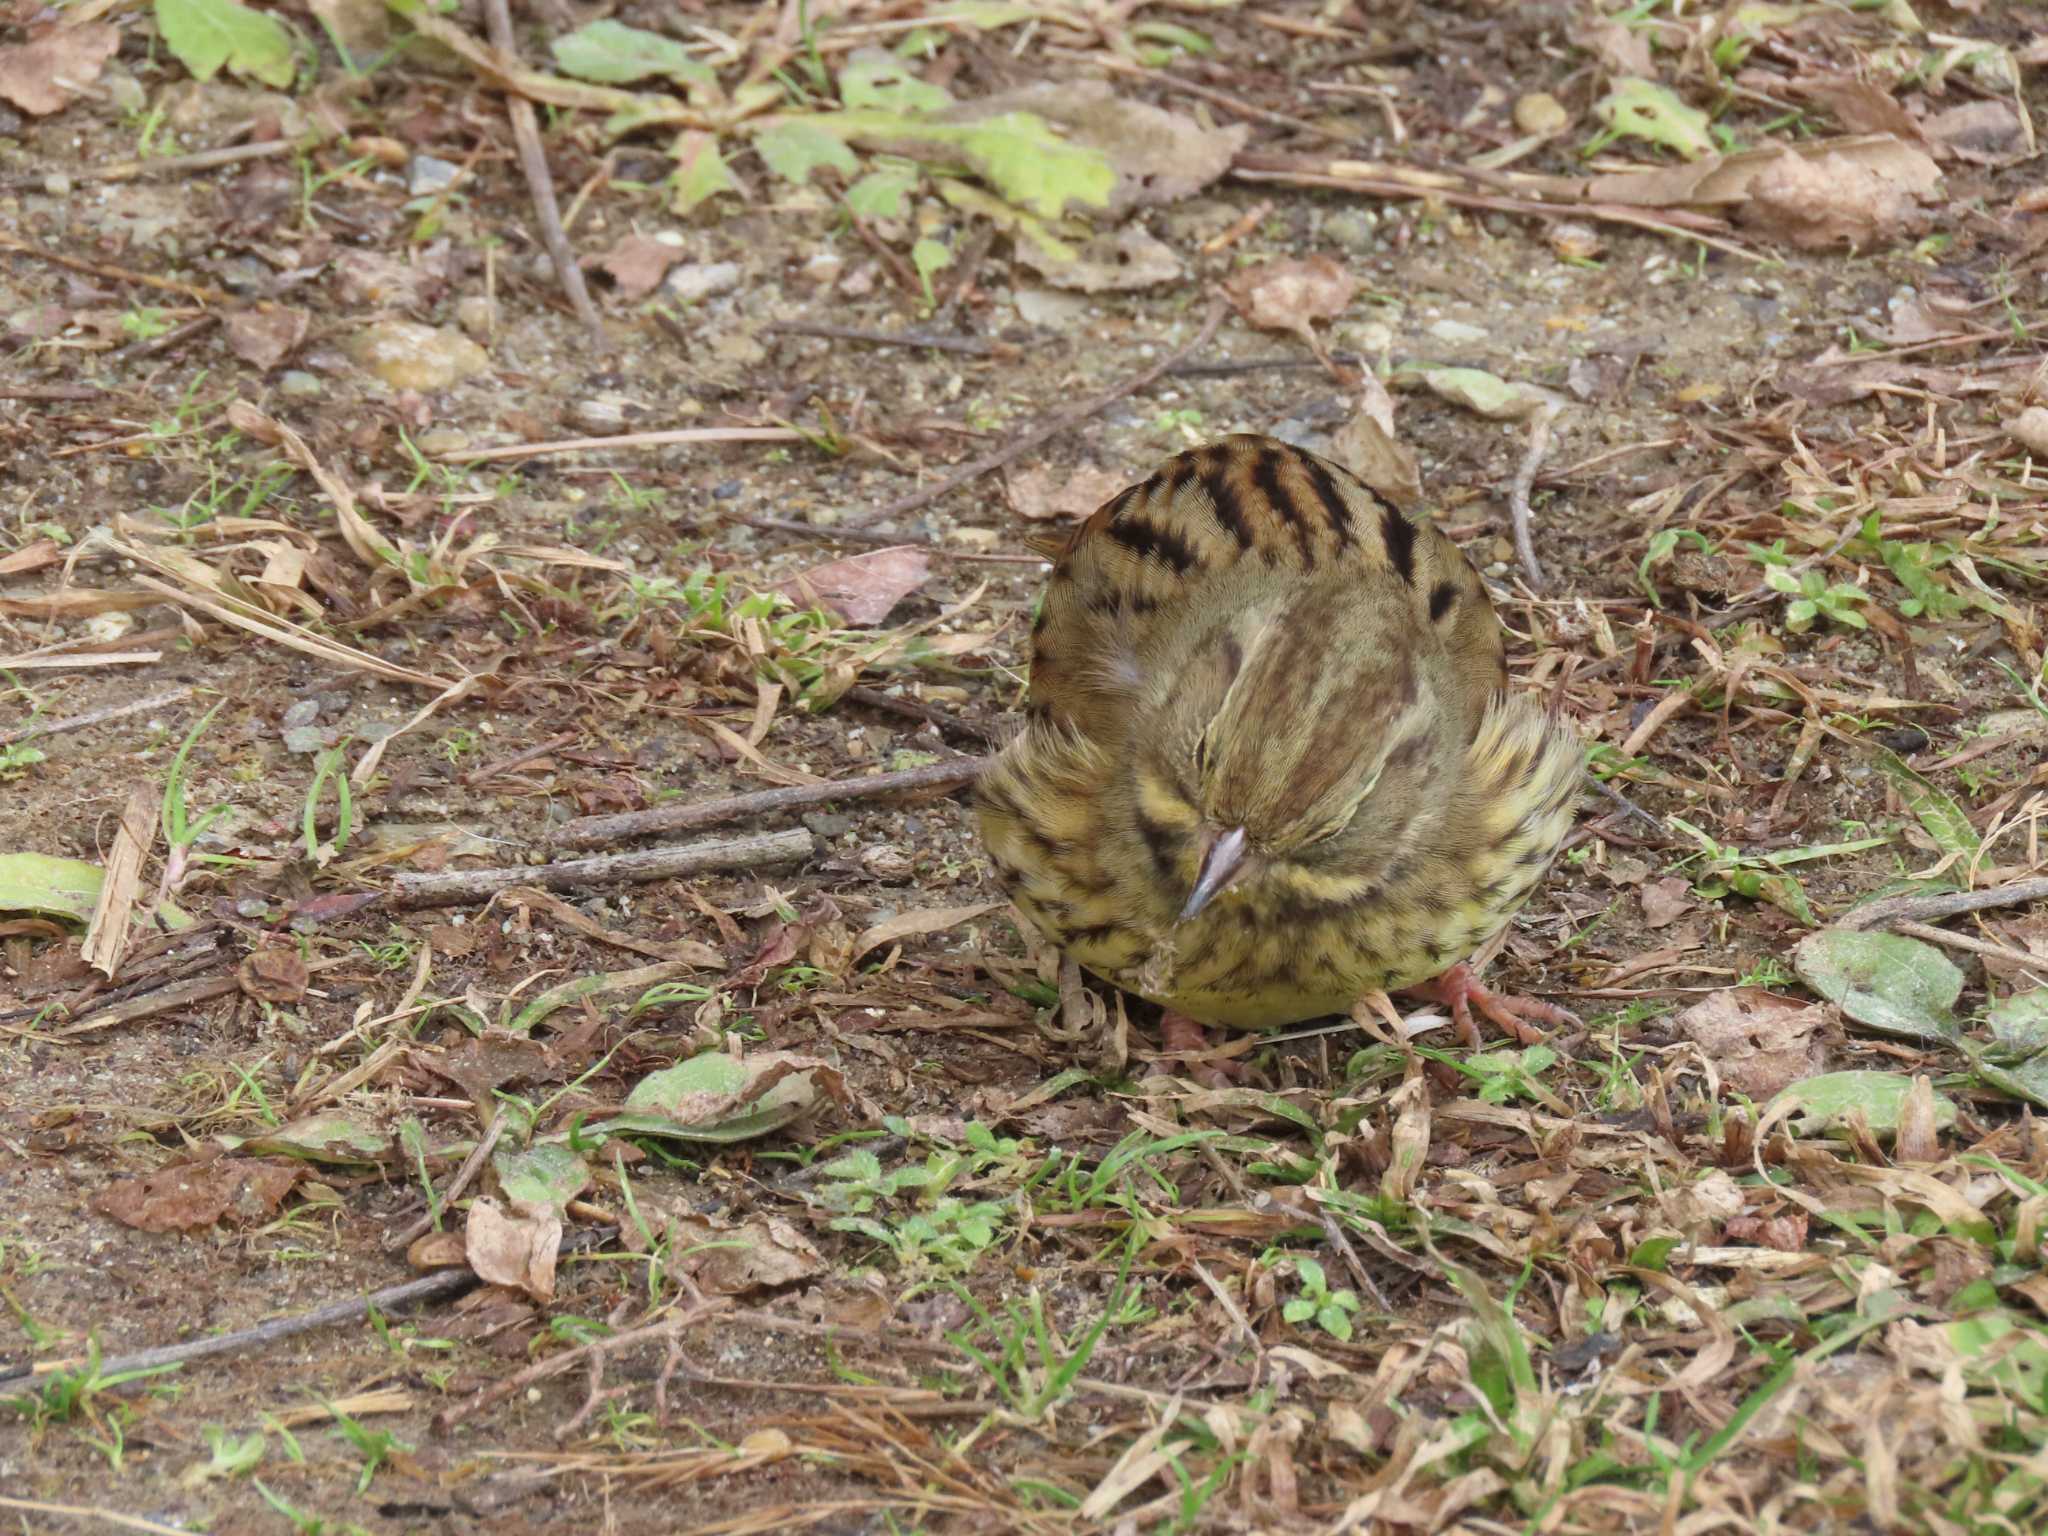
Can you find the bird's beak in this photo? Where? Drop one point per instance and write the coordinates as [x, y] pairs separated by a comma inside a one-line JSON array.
[[1219, 867]]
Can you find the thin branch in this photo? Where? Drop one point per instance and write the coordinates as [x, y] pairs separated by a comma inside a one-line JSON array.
[[1524, 482], [1932, 908], [603, 831], [1044, 432], [93, 717], [969, 345], [452, 887]]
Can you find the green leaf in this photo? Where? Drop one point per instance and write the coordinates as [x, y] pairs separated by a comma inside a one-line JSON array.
[[1299, 1310], [204, 35], [719, 1098], [2019, 1024], [548, 1174], [793, 147], [1896, 985], [49, 886], [700, 175], [872, 78], [929, 256], [1015, 152], [881, 194], [1828, 1099], [1335, 1321], [1940, 815], [335, 1136], [612, 53], [1642, 109]]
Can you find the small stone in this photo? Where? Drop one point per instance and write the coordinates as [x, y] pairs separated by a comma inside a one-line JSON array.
[[57, 184], [828, 824], [429, 174], [408, 355], [725, 490], [1458, 332], [2030, 429], [439, 440], [700, 280], [1355, 229], [302, 712], [1051, 311], [476, 314], [1541, 112], [305, 740], [299, 384], [980, 540]]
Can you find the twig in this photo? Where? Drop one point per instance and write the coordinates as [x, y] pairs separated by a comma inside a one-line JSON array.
[[50, 392], [969, 345], [170, 341], [198, 292], [518, 759], [180, 994], [2034, 965], [906, 279], [1916, 909], [402, 1240], [624, 440], [533, 161], [178, 165], [881, 536], [450, 887], [602, 831], [447, 1282], [1524, 482], [1050, 429], [915, 709], [96, 716]]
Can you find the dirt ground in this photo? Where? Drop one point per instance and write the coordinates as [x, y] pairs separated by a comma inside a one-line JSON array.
[[1603, 1289]]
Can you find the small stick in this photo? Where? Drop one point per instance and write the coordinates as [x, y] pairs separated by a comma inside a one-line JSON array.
[[1050, 429], [601, 831], [2033, 964], [624, 440], [969, 345], [540, 181], [51, 392], [170, 341], [1895, 909], [1525, 481], [198, 292], [180, 994], [915, 709], [177, 165], [518, 759], [447, 1282], [96, 716], [450, 887], [400, 1241]]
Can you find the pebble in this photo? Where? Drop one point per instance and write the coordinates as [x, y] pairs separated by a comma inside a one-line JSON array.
[[1541, 112], [700, 280]]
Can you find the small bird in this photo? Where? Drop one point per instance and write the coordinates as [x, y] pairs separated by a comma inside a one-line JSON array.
[[1271, 766]]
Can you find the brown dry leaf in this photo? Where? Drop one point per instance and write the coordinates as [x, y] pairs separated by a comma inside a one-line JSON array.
[[1815, 202], [274, 975], [264, 338], [482, 1065], [1758, 1042], [905, 925], [1785, 1232], [1979, 132], [1292, 295], [728, 1260], [188, 1196], [1622, 50], [861, 589], [1862, 106], [1366, 446], [1665, 901], [1716, 182], [437, 1250], [1123, 262], [46, 75], [1918, 1138], [638, 263], [515, 1248], [1041, 494]]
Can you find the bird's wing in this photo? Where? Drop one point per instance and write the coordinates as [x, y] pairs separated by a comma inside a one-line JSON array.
[[1156, 552]]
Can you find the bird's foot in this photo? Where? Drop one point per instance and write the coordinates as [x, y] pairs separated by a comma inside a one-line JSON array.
[[1459, 990], [1189, 1042]]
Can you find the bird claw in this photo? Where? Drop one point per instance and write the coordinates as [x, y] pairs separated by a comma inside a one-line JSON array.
[[1459, 990], [1190, 1043]]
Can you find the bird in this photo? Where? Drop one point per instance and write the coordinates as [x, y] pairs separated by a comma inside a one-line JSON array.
[[1271, 766]]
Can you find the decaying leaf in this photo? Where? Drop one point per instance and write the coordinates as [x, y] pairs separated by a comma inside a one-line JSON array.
[[1040, 493], [861, 589], [188, 1196], [274, 975], [1895, 985], [1759, 1044], [1815, 202], [517, 1248], [1292, 295], [730, 1259], [638, 263], [264, 338], [1121, 262], [48, 74]]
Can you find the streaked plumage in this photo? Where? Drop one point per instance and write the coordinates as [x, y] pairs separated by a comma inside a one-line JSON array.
[[1253, 640]]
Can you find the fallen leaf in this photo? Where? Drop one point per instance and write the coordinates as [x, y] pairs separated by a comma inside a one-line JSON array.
[[1621, 50], [274, 975], [515, 1248], [1814, 202], [1759, 1043], [1862, 106], [264, 338], [861, 589], [1896, 985], [1365, 444], [188, 1196], [1292, 295], [725, 1259], [905, 925], [1665, 901], [638, 263], [1122, 262], [1040, 494], [46, 75], [1784, 1232], [1979, 133]]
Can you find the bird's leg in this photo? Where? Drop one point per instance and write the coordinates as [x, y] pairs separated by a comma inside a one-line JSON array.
[[1459, 990], [1190, 1043]]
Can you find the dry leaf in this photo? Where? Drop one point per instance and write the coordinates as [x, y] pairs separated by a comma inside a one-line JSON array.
[[515, 1248], [193, 1195], [1979, 132], [1366, 446], [905, 925], [274, 975], [1862, 106], [638, 263], [1621, 50], [1120, 263], [46, 75], [727, 1260], [861, 589], [1040, 494], [1292, 295], [1758, 1042], [264, 338], [1665, 901], [1814, 202]]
